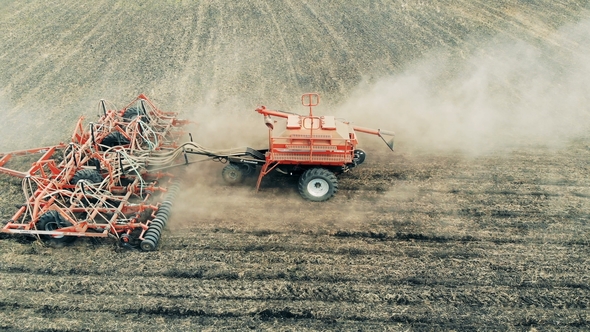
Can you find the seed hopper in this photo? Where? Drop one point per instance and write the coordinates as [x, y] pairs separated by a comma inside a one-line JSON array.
[[315, 148]]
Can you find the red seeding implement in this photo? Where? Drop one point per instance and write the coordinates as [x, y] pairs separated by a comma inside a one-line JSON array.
[[109, 180], [315, 148], [106, 182]]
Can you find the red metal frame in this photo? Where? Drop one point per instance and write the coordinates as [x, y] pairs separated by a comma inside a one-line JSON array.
[[311, 140], [127, 199]]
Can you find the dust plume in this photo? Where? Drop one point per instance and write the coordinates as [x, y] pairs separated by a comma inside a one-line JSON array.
[[231, 123], [505, 94]]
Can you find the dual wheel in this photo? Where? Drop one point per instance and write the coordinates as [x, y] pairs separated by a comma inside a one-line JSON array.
[[117, 138], [53, 221], [315, 184], [236, 173]]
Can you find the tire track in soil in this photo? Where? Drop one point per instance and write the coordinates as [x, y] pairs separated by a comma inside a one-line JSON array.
[[425, 242], [428, 314], [283, 290], [288, 55]]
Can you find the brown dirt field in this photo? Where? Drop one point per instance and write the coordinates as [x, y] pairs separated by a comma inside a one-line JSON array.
[[422, 242], [479, 220]]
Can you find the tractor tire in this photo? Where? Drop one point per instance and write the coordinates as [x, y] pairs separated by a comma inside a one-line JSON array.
[[52, 221], [233, 174], [318, 184], [88, 174], [359, 157], [115, 138], [248, 169], [133, 112]]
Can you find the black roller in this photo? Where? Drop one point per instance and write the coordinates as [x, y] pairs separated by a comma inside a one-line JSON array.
[[147, 245], [166, 204], [158, 221], [152, 237], [152, 232], [163, 213], [164, 210], [164, 217], [157, 226]]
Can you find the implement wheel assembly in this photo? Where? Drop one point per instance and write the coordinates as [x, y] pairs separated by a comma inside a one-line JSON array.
[[359, 157], [115, 139], [90, 175], [133, 112], [318, 184], [154, 232], [53, 221], [233, 174]]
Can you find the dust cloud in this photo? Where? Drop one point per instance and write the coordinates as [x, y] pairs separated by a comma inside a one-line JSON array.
[[232, 123], [506, 94], [208, 203]]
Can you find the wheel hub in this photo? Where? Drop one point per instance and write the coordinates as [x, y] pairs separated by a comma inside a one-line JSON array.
[[318, 187], [232, 175]]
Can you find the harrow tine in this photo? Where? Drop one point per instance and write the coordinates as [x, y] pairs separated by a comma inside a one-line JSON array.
[[104, 179]]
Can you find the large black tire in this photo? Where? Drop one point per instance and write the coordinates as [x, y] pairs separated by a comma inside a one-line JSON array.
[[359, 157], [248, 169], [133, 112], [52, 221], [233, 174], [87, 174], [318, 184], [115, 138]]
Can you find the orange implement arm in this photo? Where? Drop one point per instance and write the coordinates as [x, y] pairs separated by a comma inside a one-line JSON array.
[[5, 157], [377, 132], [265, 111]]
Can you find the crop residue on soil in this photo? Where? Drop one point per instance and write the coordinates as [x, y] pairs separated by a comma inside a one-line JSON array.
[[479, 220]]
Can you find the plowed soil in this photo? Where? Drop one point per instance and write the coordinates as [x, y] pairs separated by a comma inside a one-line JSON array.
[[450, 232], [425, 242]]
